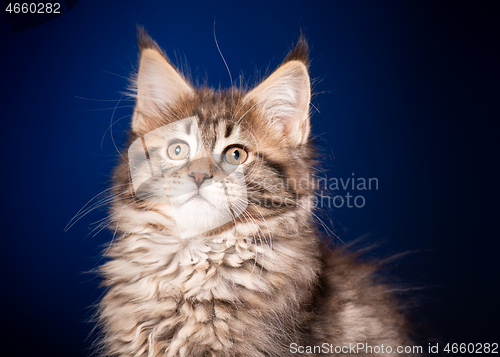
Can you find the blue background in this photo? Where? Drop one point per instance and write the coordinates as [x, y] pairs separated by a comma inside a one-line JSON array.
[[407, 92]]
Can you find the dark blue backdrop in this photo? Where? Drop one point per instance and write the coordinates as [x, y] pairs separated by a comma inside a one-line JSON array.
[[407, 92]]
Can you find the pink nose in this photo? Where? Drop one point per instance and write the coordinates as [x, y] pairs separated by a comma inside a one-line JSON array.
[[199, 178]]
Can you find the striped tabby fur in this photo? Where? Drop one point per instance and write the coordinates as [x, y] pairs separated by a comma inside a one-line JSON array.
[[258, 284]]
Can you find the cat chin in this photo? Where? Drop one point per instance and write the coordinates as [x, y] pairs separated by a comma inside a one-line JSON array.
[[197, 216]]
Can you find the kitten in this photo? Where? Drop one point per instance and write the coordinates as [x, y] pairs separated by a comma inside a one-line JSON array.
[[216, 250]]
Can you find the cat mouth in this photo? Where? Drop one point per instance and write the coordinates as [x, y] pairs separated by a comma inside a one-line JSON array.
[[197, 197]]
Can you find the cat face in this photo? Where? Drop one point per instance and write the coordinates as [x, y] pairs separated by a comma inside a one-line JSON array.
[[212, 160], [172, 164]]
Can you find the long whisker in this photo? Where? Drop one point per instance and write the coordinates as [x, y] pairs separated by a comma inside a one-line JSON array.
[[225, 63], [246, 215], [84, 210], [111, 129], [117, 223], [323, 224], [102, 100], [105, 222]]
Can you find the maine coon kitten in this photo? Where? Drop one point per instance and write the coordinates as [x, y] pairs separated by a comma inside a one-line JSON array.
[[216, 251]]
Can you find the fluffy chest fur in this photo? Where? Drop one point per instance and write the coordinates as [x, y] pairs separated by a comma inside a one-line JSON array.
[[195, 298]]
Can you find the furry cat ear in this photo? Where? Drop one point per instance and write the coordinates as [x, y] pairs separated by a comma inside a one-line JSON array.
[[158, 83], [283, 99]]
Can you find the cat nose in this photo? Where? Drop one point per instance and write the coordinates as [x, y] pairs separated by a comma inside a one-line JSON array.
[[199, 178]]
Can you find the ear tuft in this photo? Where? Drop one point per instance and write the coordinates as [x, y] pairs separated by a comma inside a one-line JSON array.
[[300, 52], [158, 85], [283, 101], [143, 39]]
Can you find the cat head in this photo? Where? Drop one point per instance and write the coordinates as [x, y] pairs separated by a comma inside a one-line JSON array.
[[213, 160]]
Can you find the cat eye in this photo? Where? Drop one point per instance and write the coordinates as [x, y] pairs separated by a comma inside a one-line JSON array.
[[235, 155], [178, 151]]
